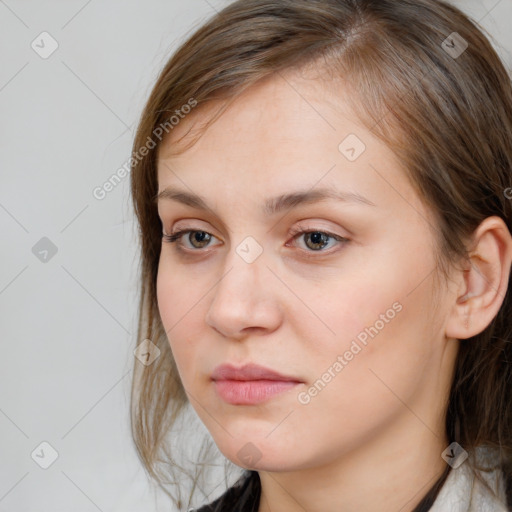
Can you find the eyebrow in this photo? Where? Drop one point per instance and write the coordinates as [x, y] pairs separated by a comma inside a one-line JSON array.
[[273, 205]]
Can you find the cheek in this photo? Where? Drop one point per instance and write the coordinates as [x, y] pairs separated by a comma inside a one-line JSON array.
[[171, 297], [178, 294], [181, 307], [372, 319], [165, 295], [385, 301], [356, 387]]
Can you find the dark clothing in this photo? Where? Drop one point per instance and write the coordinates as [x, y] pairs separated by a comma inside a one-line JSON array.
[[243, 496]]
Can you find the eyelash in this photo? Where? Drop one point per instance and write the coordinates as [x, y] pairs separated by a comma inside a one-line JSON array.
[[294, 233]]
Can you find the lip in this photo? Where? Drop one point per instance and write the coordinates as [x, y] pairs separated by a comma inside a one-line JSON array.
[[249, 372], [250, 384]]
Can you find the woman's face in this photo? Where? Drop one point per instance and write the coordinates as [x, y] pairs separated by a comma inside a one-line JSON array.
[[346, 312]]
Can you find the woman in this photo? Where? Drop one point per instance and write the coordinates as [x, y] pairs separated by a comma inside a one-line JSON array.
[[323, 194]]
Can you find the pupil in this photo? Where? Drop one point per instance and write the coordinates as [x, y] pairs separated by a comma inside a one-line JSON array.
[[317, 238], [199, 236]]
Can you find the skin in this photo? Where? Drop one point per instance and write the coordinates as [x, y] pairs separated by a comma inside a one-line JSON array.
[[372, 438]]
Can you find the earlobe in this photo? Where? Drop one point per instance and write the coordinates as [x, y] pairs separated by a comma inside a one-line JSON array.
[[483, 282]]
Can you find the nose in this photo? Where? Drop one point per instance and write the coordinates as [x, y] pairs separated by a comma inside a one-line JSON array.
[[244, 302]]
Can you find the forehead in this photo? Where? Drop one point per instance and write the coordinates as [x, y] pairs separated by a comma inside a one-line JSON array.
[[283, 106], [285, 132]]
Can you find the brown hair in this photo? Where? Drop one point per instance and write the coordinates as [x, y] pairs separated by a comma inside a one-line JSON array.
[[447, 117]]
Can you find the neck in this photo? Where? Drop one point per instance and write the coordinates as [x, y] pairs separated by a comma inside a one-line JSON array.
[[387, 473]]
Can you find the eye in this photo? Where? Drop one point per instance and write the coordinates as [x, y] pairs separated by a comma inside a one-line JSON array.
[[316, 240], [200, 237]]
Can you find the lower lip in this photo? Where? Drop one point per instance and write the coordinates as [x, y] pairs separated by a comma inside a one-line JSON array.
[[250, 392]]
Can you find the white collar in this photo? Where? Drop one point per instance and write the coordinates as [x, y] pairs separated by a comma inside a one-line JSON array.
[[463, 492]]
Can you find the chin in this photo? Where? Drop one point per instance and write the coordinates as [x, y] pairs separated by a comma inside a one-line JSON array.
[[260, 453]]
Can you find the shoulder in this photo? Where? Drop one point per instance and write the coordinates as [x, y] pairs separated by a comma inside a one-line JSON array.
[[470, 489]]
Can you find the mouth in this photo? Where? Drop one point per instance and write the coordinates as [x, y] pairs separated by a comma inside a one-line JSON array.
[[250, 384]]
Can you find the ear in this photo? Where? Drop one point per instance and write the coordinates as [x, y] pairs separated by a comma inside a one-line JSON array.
[[483, 282]]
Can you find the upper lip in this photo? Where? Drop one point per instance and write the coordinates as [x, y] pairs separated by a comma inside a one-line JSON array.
[[248, 372]]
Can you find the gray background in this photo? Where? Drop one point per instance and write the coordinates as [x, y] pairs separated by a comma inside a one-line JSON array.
[[68, 323]]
